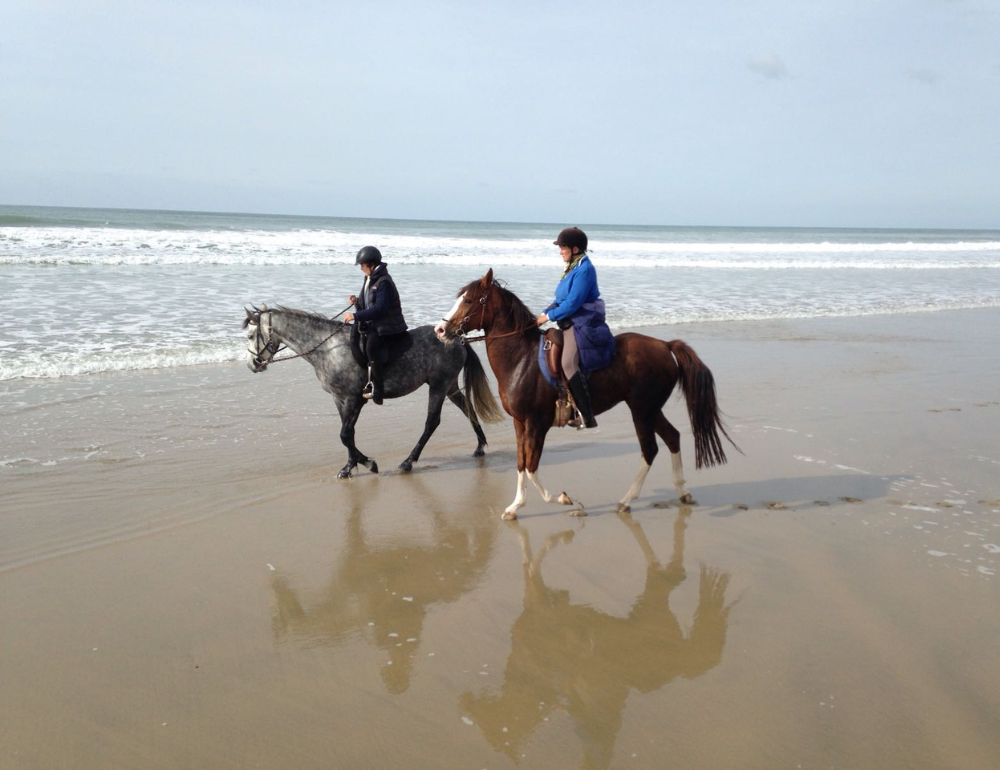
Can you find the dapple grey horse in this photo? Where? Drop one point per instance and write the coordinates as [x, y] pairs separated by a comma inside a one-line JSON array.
[[326, 344]]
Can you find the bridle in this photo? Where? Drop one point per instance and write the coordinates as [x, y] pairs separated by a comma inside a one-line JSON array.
[[463, 335], [272, 347]]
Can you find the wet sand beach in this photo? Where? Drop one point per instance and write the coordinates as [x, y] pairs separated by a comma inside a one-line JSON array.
[[185, 584]]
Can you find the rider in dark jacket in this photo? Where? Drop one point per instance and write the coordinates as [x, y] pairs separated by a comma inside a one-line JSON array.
[[378, 311]]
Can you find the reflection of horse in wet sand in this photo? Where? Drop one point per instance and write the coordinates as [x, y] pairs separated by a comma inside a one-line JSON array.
[[585, 662], [384, 590]]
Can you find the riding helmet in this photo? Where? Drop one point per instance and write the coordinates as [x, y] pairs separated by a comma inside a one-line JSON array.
[[572, 236], [369, 255]]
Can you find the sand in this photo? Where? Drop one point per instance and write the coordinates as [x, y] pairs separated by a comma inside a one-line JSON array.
[[185, 584]]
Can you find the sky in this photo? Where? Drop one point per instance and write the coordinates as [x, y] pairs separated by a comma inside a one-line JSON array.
[[825, 113]]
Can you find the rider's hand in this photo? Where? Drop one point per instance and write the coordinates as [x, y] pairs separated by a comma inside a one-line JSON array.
[[542, 318], [348, 317], [353, 299]]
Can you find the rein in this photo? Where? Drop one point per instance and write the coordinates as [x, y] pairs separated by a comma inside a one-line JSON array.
[[275, 349]]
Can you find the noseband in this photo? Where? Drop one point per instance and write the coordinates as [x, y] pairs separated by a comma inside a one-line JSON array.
[[460, 331]]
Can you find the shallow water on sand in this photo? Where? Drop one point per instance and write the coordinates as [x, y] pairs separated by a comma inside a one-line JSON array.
[[186, 584]]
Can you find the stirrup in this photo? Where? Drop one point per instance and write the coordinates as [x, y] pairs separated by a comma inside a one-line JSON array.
[[369, 390]]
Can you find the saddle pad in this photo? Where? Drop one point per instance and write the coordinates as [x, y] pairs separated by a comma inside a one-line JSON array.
[[543, 364]]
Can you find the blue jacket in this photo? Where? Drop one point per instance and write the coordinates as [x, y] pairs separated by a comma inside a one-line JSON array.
[[573, 290], [579, 300], [380, 306]]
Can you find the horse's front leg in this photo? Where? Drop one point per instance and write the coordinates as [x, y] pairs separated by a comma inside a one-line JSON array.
[[510, 512], [434, 403], [535, 440], [349, 413], [530, 440]]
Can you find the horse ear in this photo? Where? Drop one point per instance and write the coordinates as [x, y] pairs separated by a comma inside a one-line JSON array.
[[487, 279]]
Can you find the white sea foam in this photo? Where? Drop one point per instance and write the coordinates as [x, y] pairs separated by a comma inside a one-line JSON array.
[[157, 289], [116, 246]]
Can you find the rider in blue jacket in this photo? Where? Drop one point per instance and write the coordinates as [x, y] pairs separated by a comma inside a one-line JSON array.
[[579, 311]]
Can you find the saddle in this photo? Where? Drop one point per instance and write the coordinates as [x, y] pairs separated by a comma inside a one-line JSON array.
[[566, 411], [393, 346]]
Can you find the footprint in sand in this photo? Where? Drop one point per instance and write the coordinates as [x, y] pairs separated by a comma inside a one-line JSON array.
[[775, 506], [989, 403], [822, 503], [741, 507], [990, 502], [943, 504], [852, 500]]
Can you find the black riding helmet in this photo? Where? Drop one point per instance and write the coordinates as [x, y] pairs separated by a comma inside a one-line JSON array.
[[369, 255], [572, 236]]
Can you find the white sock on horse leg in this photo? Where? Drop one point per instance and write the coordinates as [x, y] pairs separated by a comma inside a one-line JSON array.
[[510, 512], [678, 466], [636, 488], [546, 495]]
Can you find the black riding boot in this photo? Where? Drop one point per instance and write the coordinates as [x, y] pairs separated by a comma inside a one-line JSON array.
[[581, 395], [373, 390]]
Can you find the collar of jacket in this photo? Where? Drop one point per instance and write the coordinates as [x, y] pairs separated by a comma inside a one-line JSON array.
[[574, 263]]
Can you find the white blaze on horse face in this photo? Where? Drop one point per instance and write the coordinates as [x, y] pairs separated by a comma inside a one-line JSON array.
[[439, 328]]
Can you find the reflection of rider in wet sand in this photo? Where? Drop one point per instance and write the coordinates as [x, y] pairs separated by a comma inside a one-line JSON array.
[[574, 658], [390, 586]]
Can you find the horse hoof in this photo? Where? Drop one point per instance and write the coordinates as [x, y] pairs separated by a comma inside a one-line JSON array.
[[624, 508], [564, 499], [686, 498], [479, 453], [373, 467], [406, 466], [508, 515], [345, 473]]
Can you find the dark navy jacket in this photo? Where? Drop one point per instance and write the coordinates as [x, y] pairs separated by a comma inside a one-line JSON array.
[[381, 307], [578, 300]]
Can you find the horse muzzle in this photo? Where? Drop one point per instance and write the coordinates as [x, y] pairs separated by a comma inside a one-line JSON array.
[[445, 334]]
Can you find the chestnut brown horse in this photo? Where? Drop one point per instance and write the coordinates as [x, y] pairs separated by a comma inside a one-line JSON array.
[[642, 373]]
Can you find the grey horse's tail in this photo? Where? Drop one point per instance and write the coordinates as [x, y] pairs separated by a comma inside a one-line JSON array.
[[479, 400]]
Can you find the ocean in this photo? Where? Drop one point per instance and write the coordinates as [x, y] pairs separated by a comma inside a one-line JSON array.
[[91, 290]]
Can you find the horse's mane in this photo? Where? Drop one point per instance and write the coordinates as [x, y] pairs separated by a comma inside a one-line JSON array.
[[519, 314], [308, 315]]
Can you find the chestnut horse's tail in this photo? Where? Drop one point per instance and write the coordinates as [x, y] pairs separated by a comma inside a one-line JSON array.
[[479, 399], [698, 387]]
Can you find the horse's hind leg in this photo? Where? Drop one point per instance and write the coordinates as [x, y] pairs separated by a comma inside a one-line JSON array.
[[647, 444], [672, 438], [458, 399], [349, 414], [434, 403]]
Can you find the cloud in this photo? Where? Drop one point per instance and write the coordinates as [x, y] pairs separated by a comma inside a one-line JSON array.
[[925, 76], [769, 66]]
